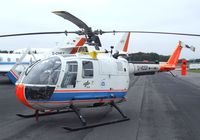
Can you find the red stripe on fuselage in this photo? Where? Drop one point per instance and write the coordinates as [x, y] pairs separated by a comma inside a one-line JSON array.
[[90, 91], [14, 74]]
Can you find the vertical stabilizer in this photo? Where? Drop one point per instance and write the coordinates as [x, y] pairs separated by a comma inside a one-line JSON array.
[[78, 43], [173, 60], [123, 43]]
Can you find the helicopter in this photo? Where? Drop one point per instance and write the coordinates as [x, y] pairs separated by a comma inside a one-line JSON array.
[[92, 77]]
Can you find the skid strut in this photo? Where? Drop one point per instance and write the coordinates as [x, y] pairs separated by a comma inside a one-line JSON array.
[[118, 109], [77, 111], [36, 115], [84, 124]]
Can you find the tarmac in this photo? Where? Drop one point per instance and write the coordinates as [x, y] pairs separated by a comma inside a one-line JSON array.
[[160, 107]]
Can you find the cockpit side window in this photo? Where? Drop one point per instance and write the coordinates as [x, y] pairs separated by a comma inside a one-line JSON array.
[[69, 80], [87, 69]]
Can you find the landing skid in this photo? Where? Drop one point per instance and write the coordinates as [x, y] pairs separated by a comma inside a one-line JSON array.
[[37, 114], [95, 125], [84, 123]]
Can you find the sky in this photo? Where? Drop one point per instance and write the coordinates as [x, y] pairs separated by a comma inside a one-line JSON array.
[[17, 16]]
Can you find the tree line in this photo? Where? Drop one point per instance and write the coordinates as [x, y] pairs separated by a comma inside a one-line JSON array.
[[140, 56], [5, 51]]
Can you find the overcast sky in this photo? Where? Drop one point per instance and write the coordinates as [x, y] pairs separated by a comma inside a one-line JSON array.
[[18, 16]]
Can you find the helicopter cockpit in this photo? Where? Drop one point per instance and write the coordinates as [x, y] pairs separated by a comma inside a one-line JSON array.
[[45, 72], [40, 78]]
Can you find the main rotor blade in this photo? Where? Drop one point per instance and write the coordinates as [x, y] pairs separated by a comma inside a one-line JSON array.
[[42, 33], [35, 33], [150, 32], [72, 18], [98, 32]]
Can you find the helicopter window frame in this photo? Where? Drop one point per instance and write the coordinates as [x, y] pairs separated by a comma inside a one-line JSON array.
[[88, 69]]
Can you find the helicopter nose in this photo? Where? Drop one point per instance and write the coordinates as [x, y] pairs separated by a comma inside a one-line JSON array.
[[20, 94]]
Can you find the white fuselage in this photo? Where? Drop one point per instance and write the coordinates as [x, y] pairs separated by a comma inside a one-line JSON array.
[[81, 80]]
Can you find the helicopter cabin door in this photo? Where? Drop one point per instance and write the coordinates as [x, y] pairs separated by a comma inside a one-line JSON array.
[[70, 76], [87, 74]]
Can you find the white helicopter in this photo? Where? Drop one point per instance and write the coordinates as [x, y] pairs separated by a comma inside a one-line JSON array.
[[92, 77]]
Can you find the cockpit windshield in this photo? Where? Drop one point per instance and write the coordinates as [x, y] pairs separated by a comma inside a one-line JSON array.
[[45, 72]]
